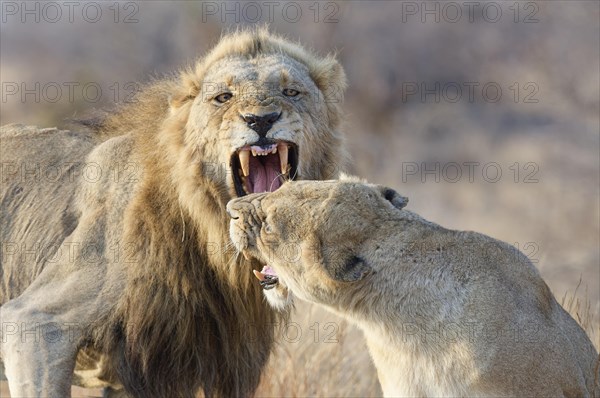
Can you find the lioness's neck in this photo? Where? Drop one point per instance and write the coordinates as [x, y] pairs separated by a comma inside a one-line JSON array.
[[412, 286], [405, 305]]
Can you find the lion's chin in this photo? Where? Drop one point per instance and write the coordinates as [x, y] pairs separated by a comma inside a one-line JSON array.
[[263, 167]]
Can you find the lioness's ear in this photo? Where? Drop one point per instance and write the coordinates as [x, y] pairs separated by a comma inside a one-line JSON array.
[[393, 197], [341, 263], [353, 270]]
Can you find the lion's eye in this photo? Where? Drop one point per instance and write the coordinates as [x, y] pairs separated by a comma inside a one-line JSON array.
[[290, 92], [222, 98]]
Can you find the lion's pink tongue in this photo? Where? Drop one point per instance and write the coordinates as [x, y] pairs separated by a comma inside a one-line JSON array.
[[264, 174]]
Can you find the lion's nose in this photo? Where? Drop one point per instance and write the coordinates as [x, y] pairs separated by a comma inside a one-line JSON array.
[[261, 124]]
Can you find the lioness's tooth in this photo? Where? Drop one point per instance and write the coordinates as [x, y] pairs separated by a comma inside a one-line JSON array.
[[259, 275], [244, 161], [283, 157], [253, 152], [274, 150]]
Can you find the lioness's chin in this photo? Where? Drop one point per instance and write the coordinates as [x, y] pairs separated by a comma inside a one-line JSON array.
[[280, 297], [263, 166]]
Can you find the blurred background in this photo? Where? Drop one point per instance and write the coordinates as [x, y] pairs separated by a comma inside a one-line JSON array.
[[486, 115]]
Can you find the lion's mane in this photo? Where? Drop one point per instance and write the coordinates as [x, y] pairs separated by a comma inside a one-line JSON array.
[[191, 312]]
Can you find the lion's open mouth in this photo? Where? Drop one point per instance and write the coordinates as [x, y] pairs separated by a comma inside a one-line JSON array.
[[263, 167], [267, 276]]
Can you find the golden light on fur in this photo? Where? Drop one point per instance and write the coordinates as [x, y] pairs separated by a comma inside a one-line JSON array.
[[444, 313], [170, 307]]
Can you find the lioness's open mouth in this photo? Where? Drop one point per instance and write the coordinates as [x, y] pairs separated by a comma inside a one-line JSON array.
[[263, 167], [267, 276]]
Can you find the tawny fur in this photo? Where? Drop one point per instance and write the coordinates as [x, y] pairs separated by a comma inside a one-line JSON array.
[[445, 313], [165, 307]]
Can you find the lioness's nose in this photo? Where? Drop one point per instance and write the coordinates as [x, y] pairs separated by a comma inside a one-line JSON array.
[[233, 213], [261, 123]]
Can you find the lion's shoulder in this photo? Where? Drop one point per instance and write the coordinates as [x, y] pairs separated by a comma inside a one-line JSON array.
[[22, 130]]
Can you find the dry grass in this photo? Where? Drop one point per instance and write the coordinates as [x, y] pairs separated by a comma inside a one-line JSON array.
[[581, 309], [333, 363]]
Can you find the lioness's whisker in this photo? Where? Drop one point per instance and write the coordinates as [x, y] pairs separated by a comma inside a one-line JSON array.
[[275, 179]]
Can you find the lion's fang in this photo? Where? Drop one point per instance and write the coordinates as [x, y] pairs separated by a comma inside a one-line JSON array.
[[244, 161], [283, 157]]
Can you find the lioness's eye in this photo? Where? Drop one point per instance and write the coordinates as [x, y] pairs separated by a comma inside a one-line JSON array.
[[222, 98], [290, 92], [267, 228]]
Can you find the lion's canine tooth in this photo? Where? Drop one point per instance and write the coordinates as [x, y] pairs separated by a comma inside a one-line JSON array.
[[283, 157], [253, 152], [274, 150], [244, 161]]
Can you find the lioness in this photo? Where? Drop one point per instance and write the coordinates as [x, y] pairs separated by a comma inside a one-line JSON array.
[[445, 313], [115, 244]]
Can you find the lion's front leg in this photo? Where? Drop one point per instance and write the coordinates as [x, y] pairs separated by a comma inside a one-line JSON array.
[[36, 364], [41, 332]]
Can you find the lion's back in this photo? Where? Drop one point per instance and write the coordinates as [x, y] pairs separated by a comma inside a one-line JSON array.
[[38, 171]]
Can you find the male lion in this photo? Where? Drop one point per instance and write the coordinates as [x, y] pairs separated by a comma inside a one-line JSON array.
[[445, 313], [115, 242]]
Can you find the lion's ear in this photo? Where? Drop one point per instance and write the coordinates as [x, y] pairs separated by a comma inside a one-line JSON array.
[[397, 200], [330, 77], [188, 88]]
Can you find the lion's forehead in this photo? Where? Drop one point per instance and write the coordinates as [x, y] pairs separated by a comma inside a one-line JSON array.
[[260, 72]]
